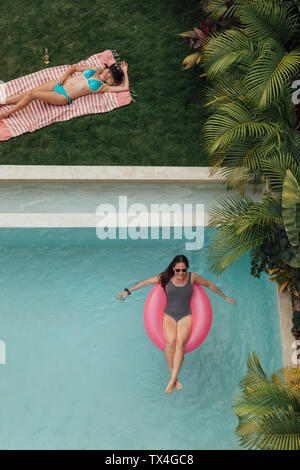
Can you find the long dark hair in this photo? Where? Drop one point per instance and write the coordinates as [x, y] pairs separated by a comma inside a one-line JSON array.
[[117, 73], [165, 276]]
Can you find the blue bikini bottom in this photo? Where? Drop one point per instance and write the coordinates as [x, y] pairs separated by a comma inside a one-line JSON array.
[[60, 89]]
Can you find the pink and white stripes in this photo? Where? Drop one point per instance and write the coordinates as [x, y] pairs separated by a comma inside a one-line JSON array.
[[39, 114]]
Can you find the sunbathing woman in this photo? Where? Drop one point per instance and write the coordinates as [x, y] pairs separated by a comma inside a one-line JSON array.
[[63, 91]]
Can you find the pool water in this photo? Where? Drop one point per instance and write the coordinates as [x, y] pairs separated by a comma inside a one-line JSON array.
[[81, 372]]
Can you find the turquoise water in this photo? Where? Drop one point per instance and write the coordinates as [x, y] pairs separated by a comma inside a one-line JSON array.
[[81, 372]]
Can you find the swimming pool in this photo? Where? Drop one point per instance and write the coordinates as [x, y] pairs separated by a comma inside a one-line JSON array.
[[81, 372]]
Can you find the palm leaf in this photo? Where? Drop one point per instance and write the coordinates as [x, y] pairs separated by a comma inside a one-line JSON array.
[[217, 9], [289, 377], [223, 50], [264, 19], [242, 224], [268, 409], [233, 121], [229, 89], [239, 158], [271, 74], [264, 398], [275, 168], [278, 431], [255, 374]]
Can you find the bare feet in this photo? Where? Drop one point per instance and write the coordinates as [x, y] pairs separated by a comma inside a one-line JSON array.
[[170, 386], [173, 384], [178, 385]]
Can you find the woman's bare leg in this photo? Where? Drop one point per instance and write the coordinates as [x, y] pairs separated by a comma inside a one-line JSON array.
[[184, 327], [50, 97], [170, 332], [48, 86]]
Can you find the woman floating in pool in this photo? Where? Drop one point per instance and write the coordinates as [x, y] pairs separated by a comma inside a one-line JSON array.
[[63, 91], [177, 320]]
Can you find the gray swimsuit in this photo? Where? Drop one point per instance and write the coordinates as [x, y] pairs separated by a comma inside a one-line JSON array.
[[179, 298]]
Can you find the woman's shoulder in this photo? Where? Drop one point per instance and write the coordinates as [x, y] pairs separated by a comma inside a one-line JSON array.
[[193, 277]]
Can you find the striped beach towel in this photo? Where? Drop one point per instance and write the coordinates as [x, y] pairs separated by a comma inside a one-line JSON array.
[[39, 114]]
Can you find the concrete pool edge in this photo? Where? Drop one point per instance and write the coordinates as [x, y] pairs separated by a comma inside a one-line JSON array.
[[85, 174], [288, 341], [80, 220]]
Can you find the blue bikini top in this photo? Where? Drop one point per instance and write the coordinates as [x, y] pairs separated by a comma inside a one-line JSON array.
[[94, 84]]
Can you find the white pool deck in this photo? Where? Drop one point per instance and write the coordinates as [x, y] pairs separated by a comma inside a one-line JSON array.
[[17, 180]]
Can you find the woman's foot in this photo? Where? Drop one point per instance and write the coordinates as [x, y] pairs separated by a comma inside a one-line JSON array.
[[170, 386], [173, 383], [178, 385]]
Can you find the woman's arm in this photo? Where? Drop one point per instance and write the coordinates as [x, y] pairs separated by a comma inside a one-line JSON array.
[[75, 68], [210, 285], [82, 68], [71, 70], [139, 285]]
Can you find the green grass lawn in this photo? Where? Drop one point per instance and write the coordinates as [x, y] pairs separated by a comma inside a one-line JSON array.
[[163, 126]]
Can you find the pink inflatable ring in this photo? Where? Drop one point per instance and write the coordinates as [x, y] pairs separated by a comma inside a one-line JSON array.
[[201, 317]]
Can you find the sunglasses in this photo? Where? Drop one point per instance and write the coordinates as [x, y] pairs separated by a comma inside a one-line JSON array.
[[183, 270]]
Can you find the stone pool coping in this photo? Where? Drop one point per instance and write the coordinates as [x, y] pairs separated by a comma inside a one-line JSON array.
[[89, 174], [128, 174], [77, 220]]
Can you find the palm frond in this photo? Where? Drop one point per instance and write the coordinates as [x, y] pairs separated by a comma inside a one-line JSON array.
[[233, 121], [217, 9], [264, 398], [228, 89], [238, 177], [288, 376], [224, 252], [241, 225], [264, 19], [225, 49], [268, 408], [277, 431], [275, 168], [242, 156], [271, 74], [255, 374]]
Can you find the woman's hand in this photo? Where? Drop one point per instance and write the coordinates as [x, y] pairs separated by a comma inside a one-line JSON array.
[[4, 114], [124, 66], [62, 79], [231, 300], [123, 294], [71, 70]]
